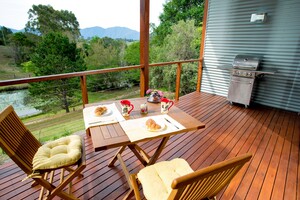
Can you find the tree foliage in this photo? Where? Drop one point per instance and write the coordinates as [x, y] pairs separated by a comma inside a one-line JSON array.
[[174, 11], [4, 35], [181, 44], [132, 57], [22, 45], [55, 54], [132, 54], [44, 19], [104, 53]]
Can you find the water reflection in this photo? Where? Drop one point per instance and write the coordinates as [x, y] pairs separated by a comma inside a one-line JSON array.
[[16, 99]]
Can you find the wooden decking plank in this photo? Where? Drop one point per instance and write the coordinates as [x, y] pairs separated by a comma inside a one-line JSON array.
[[267, 187], [232, 135], [281, 174], [261, 159], [234, 139], [241, 187], [243, 145], [292, 181], [213, 132], [272, 135], [191, 145]]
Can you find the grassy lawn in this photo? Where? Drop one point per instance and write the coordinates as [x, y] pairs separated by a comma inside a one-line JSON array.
[[8, 70], [52, 126]]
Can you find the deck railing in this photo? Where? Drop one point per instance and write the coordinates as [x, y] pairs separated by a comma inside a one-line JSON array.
[[83, 76]]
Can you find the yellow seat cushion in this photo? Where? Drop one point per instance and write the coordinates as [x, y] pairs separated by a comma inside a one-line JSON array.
[[157, 179], [61, 152]]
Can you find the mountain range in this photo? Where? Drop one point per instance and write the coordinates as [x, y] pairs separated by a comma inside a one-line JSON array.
[[113, 32]]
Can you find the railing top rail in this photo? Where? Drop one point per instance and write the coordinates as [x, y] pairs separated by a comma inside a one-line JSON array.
[[66, 75], [85, 73], [173, 62]]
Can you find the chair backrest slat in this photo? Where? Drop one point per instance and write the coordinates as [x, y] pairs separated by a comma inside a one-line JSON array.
[[207, 182], [16, 140]]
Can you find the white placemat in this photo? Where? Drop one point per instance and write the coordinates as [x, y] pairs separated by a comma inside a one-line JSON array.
[[136, 128], [111, 116]]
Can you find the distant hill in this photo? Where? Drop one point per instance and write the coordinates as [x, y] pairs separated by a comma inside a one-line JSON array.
[[113, 32]]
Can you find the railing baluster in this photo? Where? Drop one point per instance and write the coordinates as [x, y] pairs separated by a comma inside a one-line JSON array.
[[85, 99], [178, 77]]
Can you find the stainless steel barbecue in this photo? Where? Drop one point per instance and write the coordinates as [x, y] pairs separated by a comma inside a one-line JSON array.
[[243, 75]]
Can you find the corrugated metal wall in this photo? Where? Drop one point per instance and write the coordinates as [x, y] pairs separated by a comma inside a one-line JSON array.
[[229, 32]]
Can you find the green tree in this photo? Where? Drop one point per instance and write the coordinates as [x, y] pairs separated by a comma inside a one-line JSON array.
[[181, 44], [55, 54], [132, 54], [105, 53], [4, 35], [132, 57], [44, 19], [175, 11], [22, 45]]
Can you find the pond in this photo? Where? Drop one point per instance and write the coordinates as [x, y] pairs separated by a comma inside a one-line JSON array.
[[16, 99]]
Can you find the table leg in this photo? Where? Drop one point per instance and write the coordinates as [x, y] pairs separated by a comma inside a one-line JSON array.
[[158, 151], [115, 158], [142, 152], [88, 132], [125, 170], [138, 155]]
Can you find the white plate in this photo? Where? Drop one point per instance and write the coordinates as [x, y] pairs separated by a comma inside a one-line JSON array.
[[162, 125], [107, 113]]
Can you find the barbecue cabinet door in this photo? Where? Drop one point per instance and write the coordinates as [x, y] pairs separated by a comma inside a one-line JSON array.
[[240, 90]]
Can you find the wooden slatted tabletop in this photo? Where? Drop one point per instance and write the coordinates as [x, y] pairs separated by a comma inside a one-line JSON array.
[[112, 135]]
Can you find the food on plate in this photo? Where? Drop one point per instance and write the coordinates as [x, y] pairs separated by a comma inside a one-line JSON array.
[[152, 125], [100, 110]]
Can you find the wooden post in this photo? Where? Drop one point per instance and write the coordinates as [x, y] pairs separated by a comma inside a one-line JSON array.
[[84, 93], [144, 46], [200, 64], [178, 77]]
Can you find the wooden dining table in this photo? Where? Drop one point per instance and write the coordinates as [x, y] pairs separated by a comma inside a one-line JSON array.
[[113, 136]]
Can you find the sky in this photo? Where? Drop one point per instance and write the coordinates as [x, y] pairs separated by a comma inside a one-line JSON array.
[[89, 13]]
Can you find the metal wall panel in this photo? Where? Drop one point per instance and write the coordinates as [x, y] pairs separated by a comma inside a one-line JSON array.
[[277, 40]]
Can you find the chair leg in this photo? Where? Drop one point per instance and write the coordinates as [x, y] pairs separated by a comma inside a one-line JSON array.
[[212, 198], [43, 188], [58, 191], [129, 195], [134, 186]]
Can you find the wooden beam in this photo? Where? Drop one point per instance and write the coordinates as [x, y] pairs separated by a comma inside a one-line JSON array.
[[178, 77], [200, 65], [84, 91], [144, 46]]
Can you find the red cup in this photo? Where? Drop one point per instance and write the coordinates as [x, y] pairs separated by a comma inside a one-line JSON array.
[[127, 107], [165, 105]]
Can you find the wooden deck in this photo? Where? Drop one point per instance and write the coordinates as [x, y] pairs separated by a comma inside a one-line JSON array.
[[271, 135]]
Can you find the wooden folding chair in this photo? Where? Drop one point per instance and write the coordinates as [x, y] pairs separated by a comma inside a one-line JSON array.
[[188, 184], [21, 146]]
